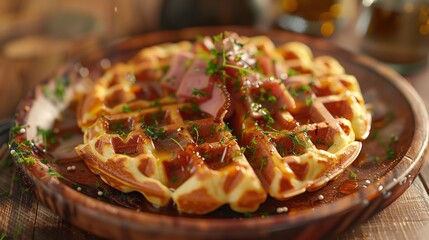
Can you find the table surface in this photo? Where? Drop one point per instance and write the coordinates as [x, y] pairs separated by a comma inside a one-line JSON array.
[[23, 216]]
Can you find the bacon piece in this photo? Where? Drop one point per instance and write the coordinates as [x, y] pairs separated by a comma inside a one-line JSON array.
[[178, 66]]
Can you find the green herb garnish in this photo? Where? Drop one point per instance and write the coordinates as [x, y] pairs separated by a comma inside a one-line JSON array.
[[353, 175], [126, 109], [178, 144], [22, 152], [296, 141], [61, 85], [262, 164], [47, 136], [252, 147], [194, 130], [154, 132], [57, 92], [198, 92], [99, 187], [293, 72], [53, 173]]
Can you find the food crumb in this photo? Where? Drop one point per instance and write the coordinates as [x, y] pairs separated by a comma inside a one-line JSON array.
[[71, 168], [282, 209]]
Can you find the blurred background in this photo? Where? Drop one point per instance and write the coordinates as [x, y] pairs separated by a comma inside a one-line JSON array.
[[36, 36]]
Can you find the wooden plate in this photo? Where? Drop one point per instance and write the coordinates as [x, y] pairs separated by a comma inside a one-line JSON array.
[[390, 160]]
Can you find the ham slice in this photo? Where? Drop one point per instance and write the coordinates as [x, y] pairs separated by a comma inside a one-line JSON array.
[[195, 78], [274, 87], [218, 104], [178, 66], [283, 96]]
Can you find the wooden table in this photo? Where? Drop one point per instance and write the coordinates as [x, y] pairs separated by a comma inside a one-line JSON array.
[[22, 216]]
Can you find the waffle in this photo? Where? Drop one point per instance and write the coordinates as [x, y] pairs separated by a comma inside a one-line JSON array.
[[226, 120]]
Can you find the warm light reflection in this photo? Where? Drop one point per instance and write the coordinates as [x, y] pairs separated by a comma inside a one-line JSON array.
[[424, 30], [424, 20], [367, 3], [409, 7], [320, 17], [289, 5], [335, 10], [327, 29]]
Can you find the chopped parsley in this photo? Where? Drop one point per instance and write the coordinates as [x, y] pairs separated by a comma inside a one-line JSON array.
[[174, 179], [257, 107], [118, 127], [390, 153], [178, 144], [353, 175], [218, 37], [296, 141], [252, 148], [57, 92], [47, 136], [207, 155], [199, 93], [155, 133], [61, 85], [53, 173], [262, 164], [22, 152], [126, 109], [99, 187], [266, 96], [194, 130], [293, 72]]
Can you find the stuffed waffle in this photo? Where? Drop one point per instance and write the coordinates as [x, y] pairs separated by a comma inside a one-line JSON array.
[[225, 120]]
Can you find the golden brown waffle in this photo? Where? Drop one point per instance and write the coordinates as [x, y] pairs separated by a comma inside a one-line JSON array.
[[159, 123], [174, 152]]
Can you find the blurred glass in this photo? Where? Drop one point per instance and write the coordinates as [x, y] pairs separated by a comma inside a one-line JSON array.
[[322, 17], [396, 32], [190, 13]]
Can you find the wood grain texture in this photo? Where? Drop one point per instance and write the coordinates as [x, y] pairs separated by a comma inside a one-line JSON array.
[[23, 217]]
